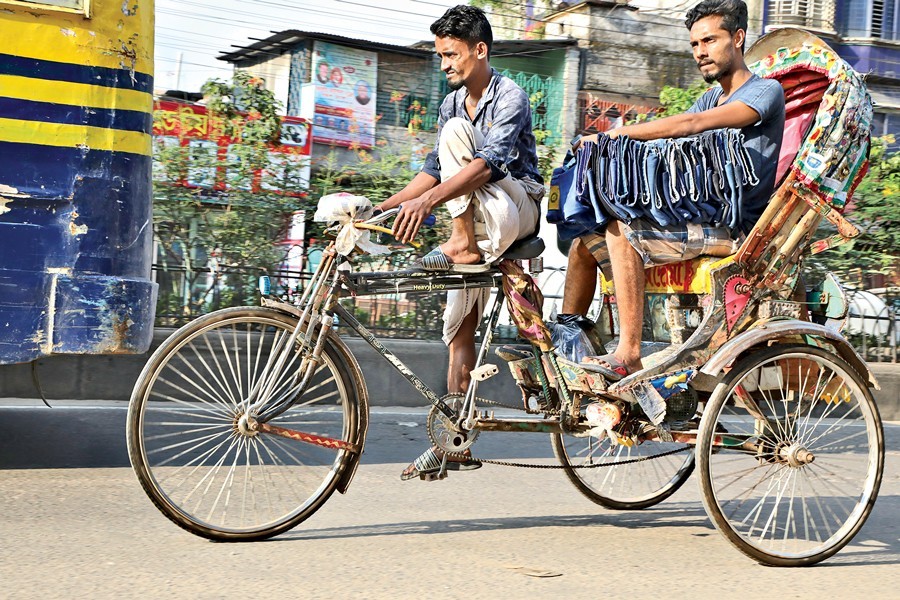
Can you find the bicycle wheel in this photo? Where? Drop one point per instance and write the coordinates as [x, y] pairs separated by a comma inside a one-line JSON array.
[[791, 452], [630, 486], [194, 451]]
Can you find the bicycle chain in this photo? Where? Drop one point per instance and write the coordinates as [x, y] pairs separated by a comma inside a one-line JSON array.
[[504, 463]]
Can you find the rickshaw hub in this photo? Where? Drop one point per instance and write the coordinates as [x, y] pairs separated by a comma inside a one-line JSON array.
[[246, 425], [796, 455]]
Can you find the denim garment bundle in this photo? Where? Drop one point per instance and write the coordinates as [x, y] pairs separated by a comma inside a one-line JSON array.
[[699, 179]]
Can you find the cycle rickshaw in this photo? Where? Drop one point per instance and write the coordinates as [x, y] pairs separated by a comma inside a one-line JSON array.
[[245, 421]]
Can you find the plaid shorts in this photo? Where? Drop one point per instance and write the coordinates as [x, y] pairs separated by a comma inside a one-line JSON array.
[[665, 245]]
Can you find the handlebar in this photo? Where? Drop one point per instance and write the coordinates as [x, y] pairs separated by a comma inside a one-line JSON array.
[[429, 221]]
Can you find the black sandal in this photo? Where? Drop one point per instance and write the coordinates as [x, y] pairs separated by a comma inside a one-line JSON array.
[[430, 462]]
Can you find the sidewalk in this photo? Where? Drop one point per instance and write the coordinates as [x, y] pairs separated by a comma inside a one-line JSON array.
[[113, 377]]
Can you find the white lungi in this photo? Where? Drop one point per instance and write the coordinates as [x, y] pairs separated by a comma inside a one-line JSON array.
[[505, 211]]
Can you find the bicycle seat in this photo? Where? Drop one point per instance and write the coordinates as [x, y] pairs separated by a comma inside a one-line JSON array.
[[528, 247]]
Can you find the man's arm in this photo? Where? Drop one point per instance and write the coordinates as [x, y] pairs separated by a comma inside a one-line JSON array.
[[420, 184], [488, 165], [416, 209], [734, 115]]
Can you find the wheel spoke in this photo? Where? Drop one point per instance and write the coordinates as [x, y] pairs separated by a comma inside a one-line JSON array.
[[208, 464]]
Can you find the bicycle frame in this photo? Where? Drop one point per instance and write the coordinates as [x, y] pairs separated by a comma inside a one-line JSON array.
[[318, 306]]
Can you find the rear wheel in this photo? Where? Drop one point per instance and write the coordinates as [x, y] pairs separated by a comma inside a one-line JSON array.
[[211, 467], [618, 483], [791, 452]]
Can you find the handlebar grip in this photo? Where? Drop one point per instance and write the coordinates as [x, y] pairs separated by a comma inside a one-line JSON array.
[[429, 221]]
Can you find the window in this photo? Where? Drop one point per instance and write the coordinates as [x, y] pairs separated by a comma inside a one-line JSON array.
[[71, 6], [871, 19], [884, 19], [809, 14]]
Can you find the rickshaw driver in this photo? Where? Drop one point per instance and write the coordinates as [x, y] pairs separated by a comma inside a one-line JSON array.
[[742, 101], [484, 168]]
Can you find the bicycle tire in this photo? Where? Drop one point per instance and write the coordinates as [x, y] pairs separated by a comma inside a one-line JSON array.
[[183, 427], [807, 476], [633, 486]]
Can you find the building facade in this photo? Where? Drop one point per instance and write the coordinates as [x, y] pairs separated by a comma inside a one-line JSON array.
[[866, 33], [354, 91], [627, 55]]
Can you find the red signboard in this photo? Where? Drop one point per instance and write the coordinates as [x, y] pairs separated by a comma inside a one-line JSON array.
[[190, 125]]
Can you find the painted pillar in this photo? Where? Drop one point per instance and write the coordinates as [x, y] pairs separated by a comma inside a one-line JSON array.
[[76, 84]]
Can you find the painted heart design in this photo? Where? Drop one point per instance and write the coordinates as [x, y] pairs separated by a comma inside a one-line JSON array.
[[737, 294]]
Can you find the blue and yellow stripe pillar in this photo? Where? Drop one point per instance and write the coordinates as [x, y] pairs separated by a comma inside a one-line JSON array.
[[76, 103]]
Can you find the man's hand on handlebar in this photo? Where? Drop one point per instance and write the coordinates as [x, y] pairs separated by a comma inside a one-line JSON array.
[[410, 219]]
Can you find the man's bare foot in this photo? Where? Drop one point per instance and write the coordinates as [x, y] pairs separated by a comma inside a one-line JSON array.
[[621, 365], [461, 254]]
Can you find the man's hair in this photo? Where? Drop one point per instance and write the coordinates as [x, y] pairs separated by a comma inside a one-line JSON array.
[[466, 23], [733, 13]]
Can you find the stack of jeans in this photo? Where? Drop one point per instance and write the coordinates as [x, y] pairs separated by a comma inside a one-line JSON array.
[[698, 179]]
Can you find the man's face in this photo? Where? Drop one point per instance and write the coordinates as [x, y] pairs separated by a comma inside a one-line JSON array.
[[459, 60], [715, 50]]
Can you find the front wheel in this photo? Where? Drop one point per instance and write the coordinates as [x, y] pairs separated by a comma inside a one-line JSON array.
[[791, 453], [201, 456]]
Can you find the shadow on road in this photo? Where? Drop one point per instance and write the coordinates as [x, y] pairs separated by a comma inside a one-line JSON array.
[[878, 542], [673, 515]]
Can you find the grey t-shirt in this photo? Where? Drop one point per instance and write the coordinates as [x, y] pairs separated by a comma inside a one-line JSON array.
[[762, 139]]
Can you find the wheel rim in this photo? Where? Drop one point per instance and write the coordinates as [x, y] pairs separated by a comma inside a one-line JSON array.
[[630, 485], [202, 453], [807, 473]]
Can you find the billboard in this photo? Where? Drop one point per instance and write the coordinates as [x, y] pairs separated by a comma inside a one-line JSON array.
[[189, 125], [344, 80]]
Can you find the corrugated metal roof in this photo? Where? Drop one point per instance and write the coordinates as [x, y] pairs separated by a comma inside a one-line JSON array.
[[283, 41]]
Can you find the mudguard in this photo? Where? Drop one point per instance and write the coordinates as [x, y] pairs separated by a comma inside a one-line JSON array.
[[767, 331]]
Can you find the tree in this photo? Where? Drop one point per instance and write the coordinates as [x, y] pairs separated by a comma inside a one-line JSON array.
[[216, 238], [875, 209], [677, 100]]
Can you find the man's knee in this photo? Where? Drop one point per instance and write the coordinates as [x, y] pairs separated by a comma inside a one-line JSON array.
[[456, 131]]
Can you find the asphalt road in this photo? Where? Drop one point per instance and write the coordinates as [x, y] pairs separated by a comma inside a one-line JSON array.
[[90, 532]]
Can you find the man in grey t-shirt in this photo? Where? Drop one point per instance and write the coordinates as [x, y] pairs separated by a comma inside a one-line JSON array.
[[762, 139], [718, 29]]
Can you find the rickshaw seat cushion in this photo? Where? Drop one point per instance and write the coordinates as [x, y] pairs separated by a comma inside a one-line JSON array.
[[528, 247]]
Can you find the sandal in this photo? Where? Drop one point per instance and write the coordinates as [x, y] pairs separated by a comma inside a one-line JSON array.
[[607, 365], [430, 462], [437, 261]]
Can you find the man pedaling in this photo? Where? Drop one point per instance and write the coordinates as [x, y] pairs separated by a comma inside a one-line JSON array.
[[484, 169]]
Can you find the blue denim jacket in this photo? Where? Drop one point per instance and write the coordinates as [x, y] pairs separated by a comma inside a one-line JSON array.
[[503, 115]]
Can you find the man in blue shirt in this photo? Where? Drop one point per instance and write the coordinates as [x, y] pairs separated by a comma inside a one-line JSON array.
[[484, 169], [742, 100]]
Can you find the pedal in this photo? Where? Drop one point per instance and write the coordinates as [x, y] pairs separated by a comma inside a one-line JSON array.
[[484, 372], [664, 433], [433, 476]]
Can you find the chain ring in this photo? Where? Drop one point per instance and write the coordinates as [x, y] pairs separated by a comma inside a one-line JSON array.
[[441, 431]]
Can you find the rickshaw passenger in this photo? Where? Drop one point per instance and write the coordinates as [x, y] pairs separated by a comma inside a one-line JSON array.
[[484, 168], [718, 29]]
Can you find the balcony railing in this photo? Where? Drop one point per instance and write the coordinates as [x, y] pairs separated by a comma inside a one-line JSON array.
[[807, 14]]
